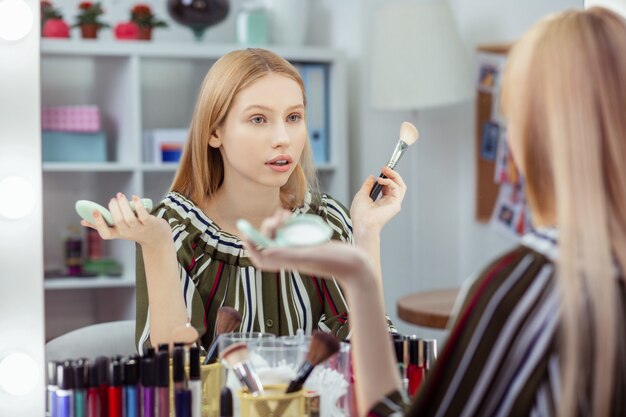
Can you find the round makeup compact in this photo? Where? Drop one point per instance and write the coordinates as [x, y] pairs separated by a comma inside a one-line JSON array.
[[85, 209], [302, 230]]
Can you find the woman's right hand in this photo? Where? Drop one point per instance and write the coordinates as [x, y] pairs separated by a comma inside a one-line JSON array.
[[142, 228], [332, 259]]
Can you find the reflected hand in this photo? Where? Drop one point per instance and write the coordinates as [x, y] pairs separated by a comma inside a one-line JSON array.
[[373, 215], [141, 227]]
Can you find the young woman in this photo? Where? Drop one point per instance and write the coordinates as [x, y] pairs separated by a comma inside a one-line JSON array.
[[542, 330], [247, 154]]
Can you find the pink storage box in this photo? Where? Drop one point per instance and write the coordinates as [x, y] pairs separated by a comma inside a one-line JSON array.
[[71, 119]]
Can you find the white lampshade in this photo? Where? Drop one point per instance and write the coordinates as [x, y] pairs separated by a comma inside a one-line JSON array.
[[418, 58]]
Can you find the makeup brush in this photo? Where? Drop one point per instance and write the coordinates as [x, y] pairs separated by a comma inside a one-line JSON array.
[[408, 136], [322, 346], [227, 321], [237, 357]]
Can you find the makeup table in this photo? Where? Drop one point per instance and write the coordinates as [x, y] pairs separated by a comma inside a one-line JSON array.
[[428, 308]]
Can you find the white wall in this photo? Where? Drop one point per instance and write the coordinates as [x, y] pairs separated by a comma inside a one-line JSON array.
[[449, 245]]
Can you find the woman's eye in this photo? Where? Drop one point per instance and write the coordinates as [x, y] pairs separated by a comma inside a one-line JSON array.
[[294, 117], [257, 120]]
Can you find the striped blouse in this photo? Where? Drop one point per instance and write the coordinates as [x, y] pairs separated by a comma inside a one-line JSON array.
[[501, 358], [215, 271]]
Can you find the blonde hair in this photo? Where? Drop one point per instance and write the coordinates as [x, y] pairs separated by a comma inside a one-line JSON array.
[[564, 93], [201, 169]]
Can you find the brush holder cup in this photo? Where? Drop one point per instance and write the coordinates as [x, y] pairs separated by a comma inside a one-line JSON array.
[[272, 403], [213, 379]]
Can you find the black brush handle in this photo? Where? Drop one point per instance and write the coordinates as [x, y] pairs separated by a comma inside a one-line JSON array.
[[211, 355], [377, 188], [303, 373]]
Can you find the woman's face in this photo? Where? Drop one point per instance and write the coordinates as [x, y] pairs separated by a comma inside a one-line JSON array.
[[264, 133]]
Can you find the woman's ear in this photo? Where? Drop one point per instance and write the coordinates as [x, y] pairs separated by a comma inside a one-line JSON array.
[[214, 140]]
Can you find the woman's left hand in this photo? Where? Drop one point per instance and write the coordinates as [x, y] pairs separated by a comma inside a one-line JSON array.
[[373, 215]]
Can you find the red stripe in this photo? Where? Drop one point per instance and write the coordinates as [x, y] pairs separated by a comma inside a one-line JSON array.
[[213, 291], [459, 326], [319, 291], [330, 300]]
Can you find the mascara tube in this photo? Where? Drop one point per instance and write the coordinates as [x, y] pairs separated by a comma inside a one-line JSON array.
[[116, 399], [51, 382], [195, 381], [148, 380], [131, 392], [163, 383], [103, 384], [93, 391], [64, 396], [182, 396], [80, 390]]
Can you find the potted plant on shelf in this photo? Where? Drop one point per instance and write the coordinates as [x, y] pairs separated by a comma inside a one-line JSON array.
[[88, 19], [142, 16], [52, 24]]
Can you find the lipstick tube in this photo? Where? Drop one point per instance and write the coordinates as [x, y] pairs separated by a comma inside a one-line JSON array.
[[51, 382], [163, 382], [182, 396]]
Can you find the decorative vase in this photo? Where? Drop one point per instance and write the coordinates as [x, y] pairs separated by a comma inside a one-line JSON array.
[[289, 21], [145, 33], [89, 30], [198, 15]]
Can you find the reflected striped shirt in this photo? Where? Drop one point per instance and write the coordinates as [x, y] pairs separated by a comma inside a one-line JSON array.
[[215, 271]]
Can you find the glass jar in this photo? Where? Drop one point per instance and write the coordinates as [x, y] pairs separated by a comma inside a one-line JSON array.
[[252, 24]]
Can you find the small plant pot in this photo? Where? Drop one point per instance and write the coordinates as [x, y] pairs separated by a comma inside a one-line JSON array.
[[89, 31], [145, 33]]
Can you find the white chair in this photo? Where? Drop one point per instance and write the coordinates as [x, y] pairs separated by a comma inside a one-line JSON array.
[[103, 339]]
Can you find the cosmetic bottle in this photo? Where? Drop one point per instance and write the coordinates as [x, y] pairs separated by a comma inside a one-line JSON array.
[[74, 252], [195, 381], [116, 401], [51, 386], [399, 345], [131, 391], [148, 382], [182, 396], [64, 396], [80, 390], [251, 24], [94, 409], [163, 382]]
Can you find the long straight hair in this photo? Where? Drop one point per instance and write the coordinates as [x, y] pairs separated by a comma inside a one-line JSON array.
[[201, 169], [564, 93]]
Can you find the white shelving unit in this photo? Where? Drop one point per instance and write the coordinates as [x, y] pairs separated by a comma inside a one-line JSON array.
[[139, 86]]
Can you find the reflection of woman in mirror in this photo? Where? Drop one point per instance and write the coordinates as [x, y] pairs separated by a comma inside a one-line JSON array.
[[542, 331], [247, 154]]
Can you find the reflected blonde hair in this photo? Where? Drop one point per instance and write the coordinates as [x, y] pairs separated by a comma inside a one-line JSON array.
[[201, 169], [564, 93]]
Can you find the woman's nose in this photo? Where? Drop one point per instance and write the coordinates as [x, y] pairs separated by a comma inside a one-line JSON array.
[[280, 135]]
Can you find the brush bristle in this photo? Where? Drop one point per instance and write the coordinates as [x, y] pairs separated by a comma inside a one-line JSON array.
[[323, 346], [235, 353], [408, 133], [228, 320]]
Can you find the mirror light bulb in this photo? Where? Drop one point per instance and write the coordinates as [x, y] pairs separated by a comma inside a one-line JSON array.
[[16, 19], [17, 197], [18, 374]]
